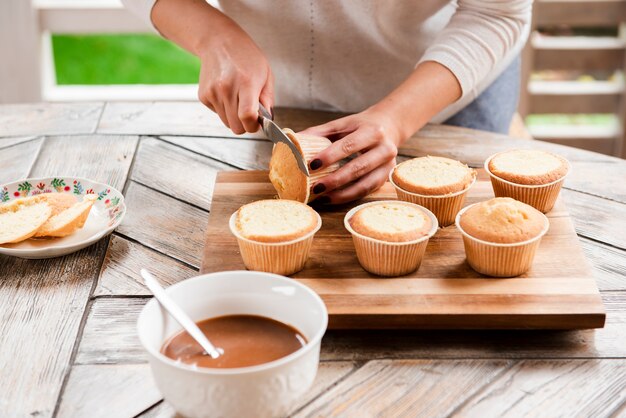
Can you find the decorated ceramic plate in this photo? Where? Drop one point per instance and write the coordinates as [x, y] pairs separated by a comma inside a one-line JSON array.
[[105, 215]]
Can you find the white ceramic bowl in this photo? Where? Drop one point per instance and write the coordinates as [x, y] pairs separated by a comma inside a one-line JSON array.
[[266, 390]]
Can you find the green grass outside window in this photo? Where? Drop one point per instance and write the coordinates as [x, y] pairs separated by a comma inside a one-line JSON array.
[[121, 59]]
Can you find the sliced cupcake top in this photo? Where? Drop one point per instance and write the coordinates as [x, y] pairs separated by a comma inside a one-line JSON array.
[[275, 220], [289, 182], [391, 221], [433, 175], [502, 220], [530, 167]]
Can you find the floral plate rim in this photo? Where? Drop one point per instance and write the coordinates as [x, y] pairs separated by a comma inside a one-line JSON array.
[[109, 197]]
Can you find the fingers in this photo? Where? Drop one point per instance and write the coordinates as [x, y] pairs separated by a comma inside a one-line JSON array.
[[236, 100], [343, 148], [366, 185], [267, 93], [231, 106], [357, 168], [329, 129], [248, 110]]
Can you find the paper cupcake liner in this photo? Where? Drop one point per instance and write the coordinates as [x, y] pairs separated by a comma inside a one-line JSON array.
[[499, 260], [542, 197], [389, 258], [444, 207], [284, 258], [311, 146]]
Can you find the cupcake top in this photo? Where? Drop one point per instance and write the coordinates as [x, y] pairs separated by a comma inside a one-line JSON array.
[[531, 167], [275, 220], [433, 175], [285, 175], [502, 220], [391, 221]]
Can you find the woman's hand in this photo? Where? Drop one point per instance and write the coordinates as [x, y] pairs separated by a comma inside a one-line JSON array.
[[371, 134], [234, 77], [234, 74]]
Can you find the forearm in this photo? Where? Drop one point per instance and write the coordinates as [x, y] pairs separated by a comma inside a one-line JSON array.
[[429, 89], [196, 24]]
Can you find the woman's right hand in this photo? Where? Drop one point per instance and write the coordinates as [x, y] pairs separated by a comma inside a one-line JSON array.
[[234, 77]]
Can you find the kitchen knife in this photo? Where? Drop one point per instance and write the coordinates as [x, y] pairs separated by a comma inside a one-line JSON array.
[[276, 135]]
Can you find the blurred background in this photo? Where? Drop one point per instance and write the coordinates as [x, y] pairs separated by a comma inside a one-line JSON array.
[[64, 50]]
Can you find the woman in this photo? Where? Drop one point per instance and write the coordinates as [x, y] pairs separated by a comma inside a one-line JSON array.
[[395, 65]]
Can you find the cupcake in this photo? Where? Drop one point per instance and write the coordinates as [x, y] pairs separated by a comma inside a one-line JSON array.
[[501, 236], [531, 176], [390, 237], [275, 236], [437, 183], [290, 183]]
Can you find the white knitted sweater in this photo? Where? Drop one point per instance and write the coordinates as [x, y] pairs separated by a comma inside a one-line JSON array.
[[347, 54]]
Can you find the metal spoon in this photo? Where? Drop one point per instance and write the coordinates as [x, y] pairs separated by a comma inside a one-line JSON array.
[[178, 314]]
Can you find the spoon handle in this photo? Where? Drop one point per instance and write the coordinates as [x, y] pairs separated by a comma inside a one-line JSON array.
[[178, 314]]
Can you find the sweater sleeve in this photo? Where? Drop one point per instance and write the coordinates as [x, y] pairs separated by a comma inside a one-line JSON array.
[[480, 36], [142, 9]]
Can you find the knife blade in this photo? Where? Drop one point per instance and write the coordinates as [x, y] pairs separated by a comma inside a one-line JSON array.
[[276, 135]]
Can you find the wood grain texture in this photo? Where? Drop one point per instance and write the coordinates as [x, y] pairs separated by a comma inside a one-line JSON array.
[[42, 306], [49, 118], [415, 388], [110, 337], [192, 118], [44, 301], [328, 374], [101, 158], [14, 140], [177, 172], [243, 154], [584, 388], [16, 160], [122, 390], [163, 118], [558, 292], [110, 333], [596, 218], [120, 270], [164, 223], [609, 264]]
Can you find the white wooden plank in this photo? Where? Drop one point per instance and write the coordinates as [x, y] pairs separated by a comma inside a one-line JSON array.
[[164, 223], [405, 388], [177, 172], [105, 159], [14, 140], [553, 388], [49, 118], [123, 390], [42, 306], [16, 161], [110, 337], [163, 118], [110, 333], [243, 154], [120, 269]]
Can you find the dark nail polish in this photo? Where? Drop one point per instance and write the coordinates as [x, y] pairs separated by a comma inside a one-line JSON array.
[[319, 188], [322, 200], [315, 164]]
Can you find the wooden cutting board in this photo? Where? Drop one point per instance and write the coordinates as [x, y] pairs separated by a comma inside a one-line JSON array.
[[559, 292]]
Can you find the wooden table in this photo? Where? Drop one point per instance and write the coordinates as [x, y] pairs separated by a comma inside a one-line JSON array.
[[68, 345]]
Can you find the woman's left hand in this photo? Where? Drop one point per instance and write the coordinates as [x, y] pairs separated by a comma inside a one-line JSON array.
[[371, 134]]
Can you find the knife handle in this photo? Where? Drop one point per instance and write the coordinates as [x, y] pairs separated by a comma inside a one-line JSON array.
[[263, 112]]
